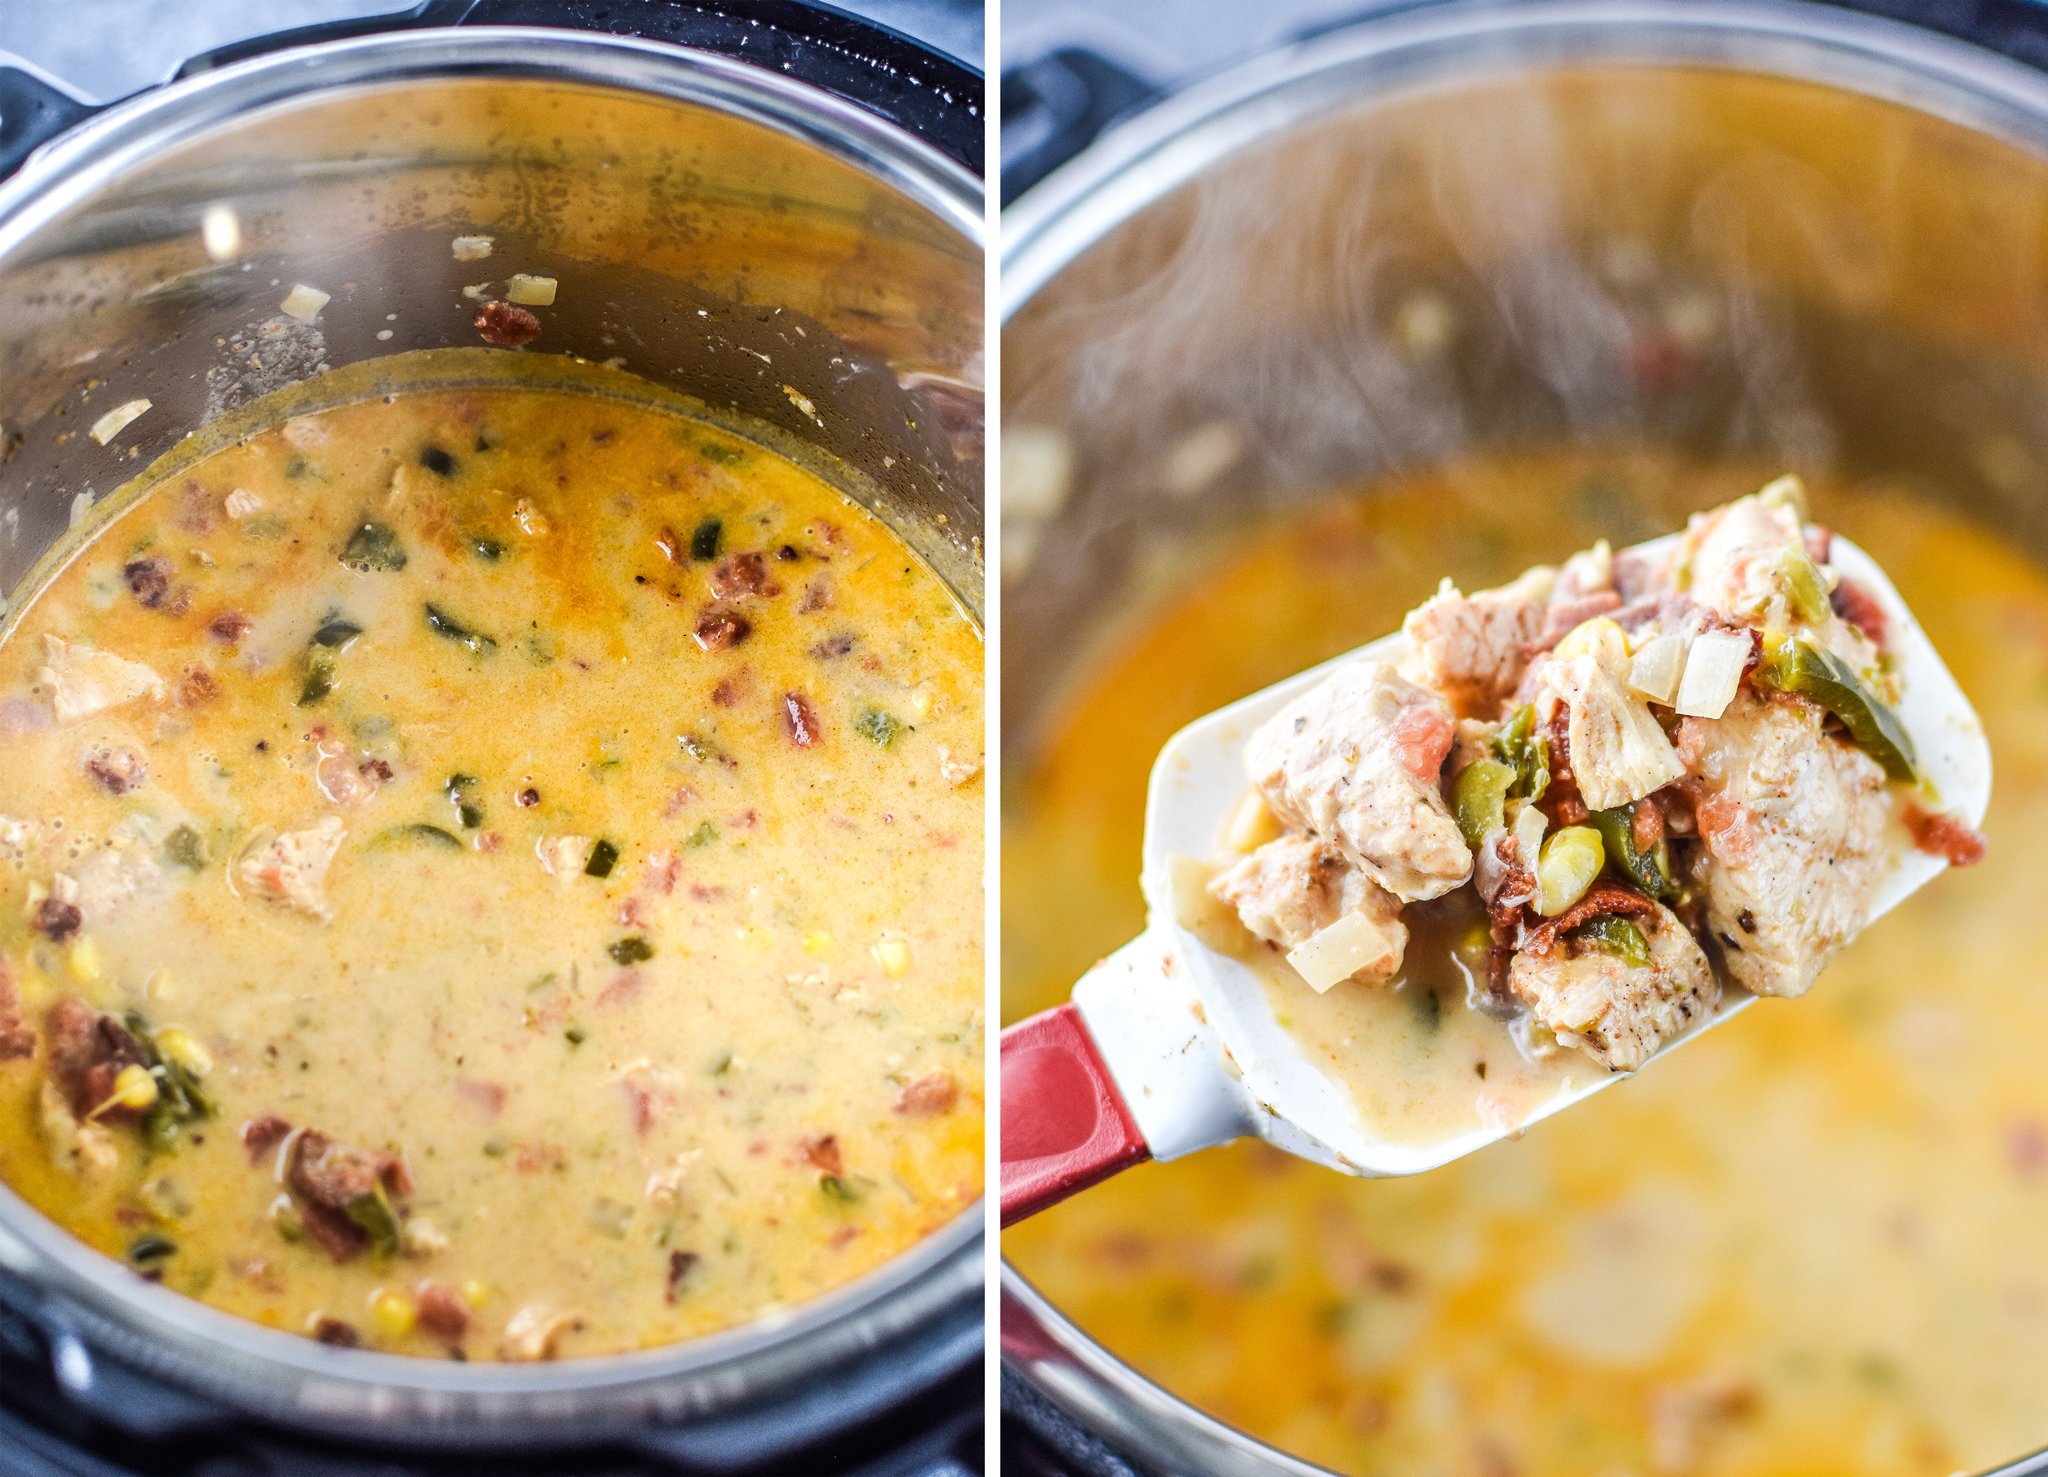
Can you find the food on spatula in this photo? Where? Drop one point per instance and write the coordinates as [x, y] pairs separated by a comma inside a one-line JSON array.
[[1660, 769]]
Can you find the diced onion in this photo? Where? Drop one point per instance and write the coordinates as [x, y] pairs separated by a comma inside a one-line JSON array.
[[471, 248], [1653, 672], [304, 303], [1528, 827], [1354, 942], [530, 291], [1713, 670], [115, 421]]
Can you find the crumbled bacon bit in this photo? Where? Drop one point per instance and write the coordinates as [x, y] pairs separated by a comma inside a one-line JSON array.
[[490, 1096], [261, 1135], [117, 770], [928, 1096], [229, 626], [506, 326], [823, 1153], [730, 690], [817, 596], [197, 686], [57, 920], [375, 769], [1561, 801], [680, 1265], [333, 1331], [528, 798], [149, 580], [1938, 833], [833, 646], [718, 629], [1601, 899], [799, 719], [442, 1312], [737, 576]]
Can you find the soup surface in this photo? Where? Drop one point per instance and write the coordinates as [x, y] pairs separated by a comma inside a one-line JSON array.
[[492, 872], [1804, 1243]]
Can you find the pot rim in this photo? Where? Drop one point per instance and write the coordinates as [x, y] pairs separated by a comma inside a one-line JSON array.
[[85, 159], [1419, 45], [85, 1294]]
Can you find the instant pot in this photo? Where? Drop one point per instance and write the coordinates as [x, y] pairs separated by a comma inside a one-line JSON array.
[[1802, 232], [733, 197]]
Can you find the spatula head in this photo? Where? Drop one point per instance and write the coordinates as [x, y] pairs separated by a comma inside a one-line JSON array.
[[1200, 777]]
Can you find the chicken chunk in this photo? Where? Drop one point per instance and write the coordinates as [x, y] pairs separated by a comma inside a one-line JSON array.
[[82, 1149], [533, 1333], [1793, 823], [1616, 1012], [1358, 760], [1618, 752], [291, 868], [1472, 648], [1739, 561], [1292, 889], [80, 680]]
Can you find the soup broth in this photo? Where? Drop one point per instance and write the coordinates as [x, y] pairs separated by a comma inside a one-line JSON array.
[[1804, 1243], [528, 842]]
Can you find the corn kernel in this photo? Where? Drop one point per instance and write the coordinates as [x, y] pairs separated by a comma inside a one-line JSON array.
[[134, 1088], [161, 986], [817, 945], [181, 1046], [84, 960], [892, 952], [393, 1314], [922, 702], [475, 1293]]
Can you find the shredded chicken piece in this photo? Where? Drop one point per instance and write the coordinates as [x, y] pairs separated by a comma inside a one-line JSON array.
[[1793, 823], [291, 868], [1618, 752], [81, 680], [1472, 648], [1358, 759], [1292, 889], [1616, 1012], [533, 1333], [85, 1150]]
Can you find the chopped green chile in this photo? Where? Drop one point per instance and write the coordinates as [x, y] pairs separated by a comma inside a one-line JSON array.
[[1648, 870], [703, 836], [420, 831], [1806, 588], [1617, 936], [838, 1188], [462, 794], [318, 682], [437, 461], [149, 1248], [632, 949], [443, 624], [487, 549], [374, 547], [1797, 666], [706, 539], [372, 1211], [186, 848], [1519, 746], [877, 727], [337, 632], [1480, 797], [603, 857]]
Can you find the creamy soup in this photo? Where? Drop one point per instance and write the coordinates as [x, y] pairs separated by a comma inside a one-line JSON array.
[[1804, 1243], [491, 872]]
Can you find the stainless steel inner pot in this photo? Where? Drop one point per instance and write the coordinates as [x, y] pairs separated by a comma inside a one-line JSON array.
[[1791, 232], [714, 227]]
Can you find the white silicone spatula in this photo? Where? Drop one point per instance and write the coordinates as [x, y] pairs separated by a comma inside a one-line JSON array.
[[1169, 1046]]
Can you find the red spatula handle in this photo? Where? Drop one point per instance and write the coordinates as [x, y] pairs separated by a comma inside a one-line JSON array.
[[1065, 1126]]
